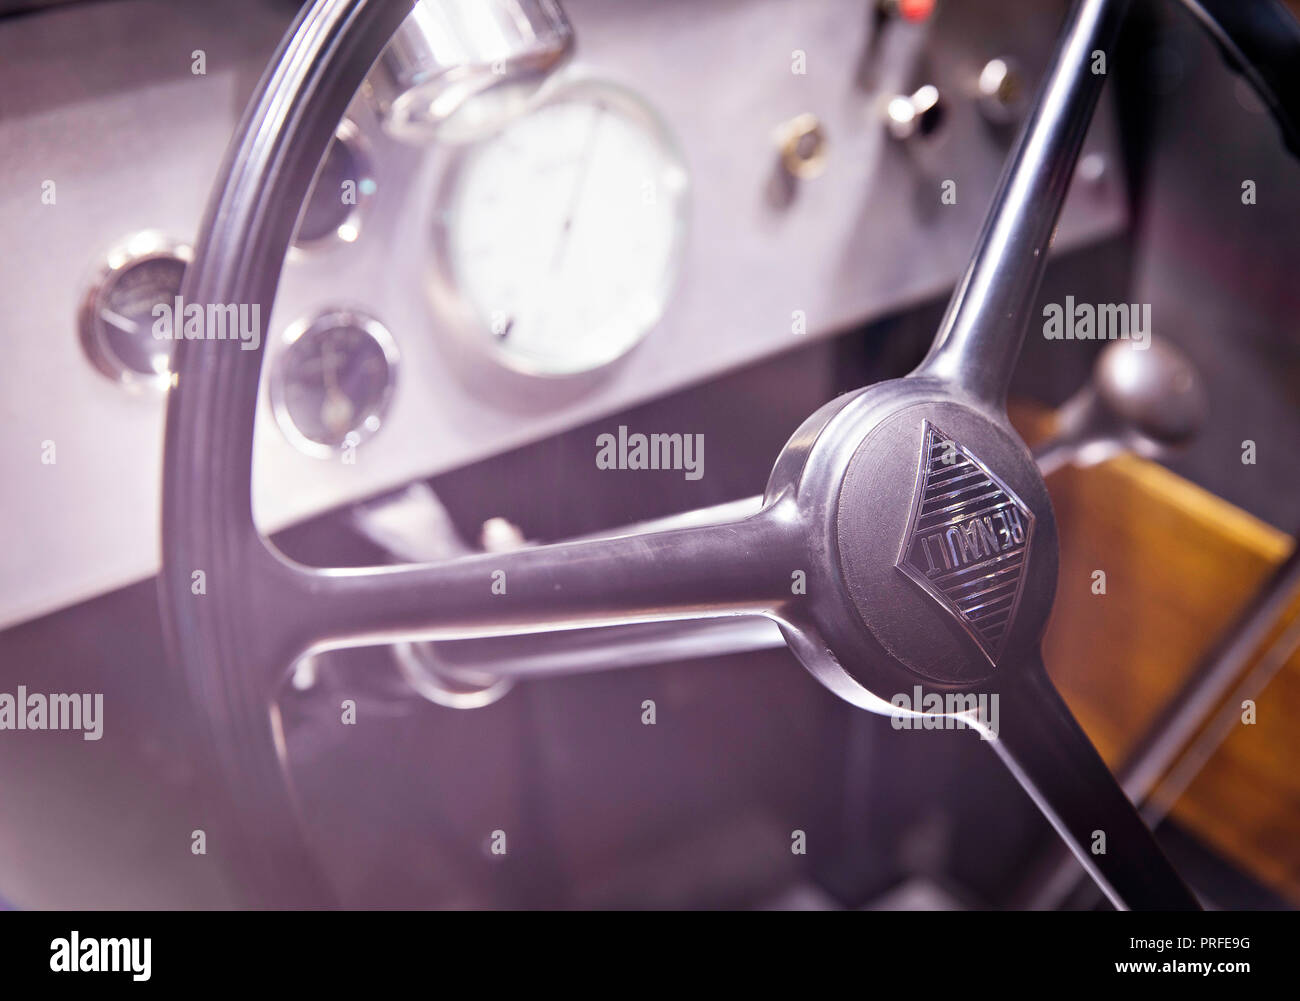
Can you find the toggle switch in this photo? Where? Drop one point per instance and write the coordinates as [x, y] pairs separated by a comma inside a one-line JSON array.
[[915, 115]]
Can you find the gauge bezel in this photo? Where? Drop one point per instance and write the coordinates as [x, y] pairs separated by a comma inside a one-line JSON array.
[[350, 135], [463, 318], [331, 319], [137, 249]]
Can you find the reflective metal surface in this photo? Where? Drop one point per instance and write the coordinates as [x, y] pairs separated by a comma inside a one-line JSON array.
[[968, 540], [578, 651], [917, 114], [1002, 91], [457, 68], [980, 337]]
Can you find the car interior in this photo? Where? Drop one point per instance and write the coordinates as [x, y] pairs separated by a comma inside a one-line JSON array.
[[650, 454]]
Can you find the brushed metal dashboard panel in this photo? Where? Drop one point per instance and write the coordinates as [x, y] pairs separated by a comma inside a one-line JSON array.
[[101, 99]]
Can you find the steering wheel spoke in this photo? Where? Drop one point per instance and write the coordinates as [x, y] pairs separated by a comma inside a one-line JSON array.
[[980, 336], [1041, 743], [708, 571]]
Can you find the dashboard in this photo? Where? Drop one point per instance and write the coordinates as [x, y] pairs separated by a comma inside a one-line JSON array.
[[427, 310]]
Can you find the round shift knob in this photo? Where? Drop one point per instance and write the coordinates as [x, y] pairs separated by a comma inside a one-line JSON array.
[[1155, 390], [1144, 399]]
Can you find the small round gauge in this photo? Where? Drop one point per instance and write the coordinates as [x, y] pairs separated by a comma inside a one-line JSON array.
[[116, 317], [332, 383], [562, 233], [343, 184]]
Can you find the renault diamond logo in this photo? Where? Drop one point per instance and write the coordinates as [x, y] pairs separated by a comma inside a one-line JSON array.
[[967, 540]]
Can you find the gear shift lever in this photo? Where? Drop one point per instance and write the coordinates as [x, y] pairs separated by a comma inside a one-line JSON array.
[[1143, 400]]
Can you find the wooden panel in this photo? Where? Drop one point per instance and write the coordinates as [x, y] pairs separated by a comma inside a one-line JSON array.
[[1180, 564]]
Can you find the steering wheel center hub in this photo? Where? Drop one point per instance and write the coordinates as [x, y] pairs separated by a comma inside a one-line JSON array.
[[945, 541]]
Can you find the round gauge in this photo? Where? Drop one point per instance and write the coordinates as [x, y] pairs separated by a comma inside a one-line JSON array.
[[332, 383], [342, 185], [562, 233], [116, 317]]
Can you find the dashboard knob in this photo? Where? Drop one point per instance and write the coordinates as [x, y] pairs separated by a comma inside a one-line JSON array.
[[802, 141], [458, 68], [1002, 92]]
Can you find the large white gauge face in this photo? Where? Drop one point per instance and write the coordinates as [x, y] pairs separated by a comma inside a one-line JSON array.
[[564, 231]]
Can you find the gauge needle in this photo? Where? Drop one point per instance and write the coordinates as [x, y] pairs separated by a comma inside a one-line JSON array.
[[579, 183], [336, 412], [124, 324]]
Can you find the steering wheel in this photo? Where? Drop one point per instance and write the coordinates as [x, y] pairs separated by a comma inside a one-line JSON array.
[[906, 540]]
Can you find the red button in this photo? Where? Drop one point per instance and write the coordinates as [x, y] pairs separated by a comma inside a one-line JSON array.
[[915, 10]]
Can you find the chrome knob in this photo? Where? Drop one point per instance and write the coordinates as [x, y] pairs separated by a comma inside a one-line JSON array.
[[1002, 94], [458, 68]]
